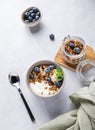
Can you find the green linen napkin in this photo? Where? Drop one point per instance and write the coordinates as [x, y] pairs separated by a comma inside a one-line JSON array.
[[82, 118]]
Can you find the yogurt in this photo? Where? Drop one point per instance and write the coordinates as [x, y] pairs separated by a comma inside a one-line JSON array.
[[42, 88]]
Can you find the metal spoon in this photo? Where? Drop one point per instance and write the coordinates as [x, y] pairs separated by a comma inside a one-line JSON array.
[[15, 81]]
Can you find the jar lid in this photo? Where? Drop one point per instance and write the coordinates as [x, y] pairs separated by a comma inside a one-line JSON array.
[[86, 71]]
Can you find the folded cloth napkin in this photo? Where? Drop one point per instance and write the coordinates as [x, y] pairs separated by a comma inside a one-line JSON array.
[[82, 118]]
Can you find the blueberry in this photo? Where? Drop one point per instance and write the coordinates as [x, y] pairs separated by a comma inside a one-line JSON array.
[[30, 18], [77, 50], [47, 70], [35, 10], [52, 67], [58, 84], [33, 20], [72, 45], [36, 69], [37, 17], [38, 13], [31, 76], [26, 20], [32, 15], [49, 79], [52, 37], [31, 11], [26, 14]]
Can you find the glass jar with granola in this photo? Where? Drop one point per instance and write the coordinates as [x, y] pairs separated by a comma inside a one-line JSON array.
[[73, 49]]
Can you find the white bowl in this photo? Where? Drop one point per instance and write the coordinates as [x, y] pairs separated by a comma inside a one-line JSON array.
[[31, 24], [41, 63]]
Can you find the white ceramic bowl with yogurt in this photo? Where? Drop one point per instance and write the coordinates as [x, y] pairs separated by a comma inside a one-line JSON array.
[[43, 89]]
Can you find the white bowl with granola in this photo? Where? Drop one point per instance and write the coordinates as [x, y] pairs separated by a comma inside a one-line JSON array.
[[45, 78]]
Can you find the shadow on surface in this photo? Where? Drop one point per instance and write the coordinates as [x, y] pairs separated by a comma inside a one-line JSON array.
[[55, 105], [37, 28]]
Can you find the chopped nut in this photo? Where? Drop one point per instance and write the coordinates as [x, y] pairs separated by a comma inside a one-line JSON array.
[[41, 93], [49, 93], [46, 87], [53, 88]]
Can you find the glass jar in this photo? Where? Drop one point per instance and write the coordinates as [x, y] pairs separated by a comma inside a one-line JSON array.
[[86, 71], [75, 53]]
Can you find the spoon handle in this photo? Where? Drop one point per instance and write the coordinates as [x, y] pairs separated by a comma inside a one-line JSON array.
[[26, 104]]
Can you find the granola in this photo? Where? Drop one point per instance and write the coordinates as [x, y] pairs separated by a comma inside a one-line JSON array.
[[74, 47]]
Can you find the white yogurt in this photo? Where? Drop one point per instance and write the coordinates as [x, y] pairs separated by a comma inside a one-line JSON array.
[[40, 88]]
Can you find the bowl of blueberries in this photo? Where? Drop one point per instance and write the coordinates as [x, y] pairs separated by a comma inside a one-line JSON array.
[[45, 78], [31, 16]]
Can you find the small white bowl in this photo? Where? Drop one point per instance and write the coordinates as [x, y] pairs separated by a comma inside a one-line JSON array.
[[42, 63], [31, 24]]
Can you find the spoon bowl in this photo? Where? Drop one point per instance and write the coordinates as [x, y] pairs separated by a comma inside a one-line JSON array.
[[14, 79]]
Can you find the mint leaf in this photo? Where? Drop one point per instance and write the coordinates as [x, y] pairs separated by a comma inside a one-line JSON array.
[[59, 74]]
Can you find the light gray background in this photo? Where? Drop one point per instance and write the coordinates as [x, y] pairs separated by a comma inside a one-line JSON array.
[[20, 48]]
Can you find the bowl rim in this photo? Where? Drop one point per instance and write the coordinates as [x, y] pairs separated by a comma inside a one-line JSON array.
[[42, 62], [31, 23]]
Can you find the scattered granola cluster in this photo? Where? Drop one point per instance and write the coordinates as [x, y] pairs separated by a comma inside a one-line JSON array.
[[46, 78], [73, 47]]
